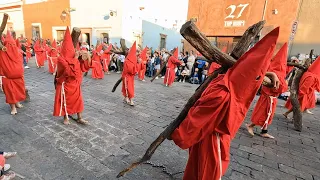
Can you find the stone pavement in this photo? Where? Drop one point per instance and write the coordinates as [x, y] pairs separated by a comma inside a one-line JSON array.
[[119, 134]]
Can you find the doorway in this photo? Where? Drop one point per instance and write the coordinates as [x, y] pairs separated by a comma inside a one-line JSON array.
[[163, 41]]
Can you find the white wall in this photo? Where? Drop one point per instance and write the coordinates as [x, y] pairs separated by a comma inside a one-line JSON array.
[[15, 15], [90, 14]]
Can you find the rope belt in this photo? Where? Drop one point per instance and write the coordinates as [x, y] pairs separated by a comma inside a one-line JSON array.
[[219, 153], [63, 101], [269, 113]]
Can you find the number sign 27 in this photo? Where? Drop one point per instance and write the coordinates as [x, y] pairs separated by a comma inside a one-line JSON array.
[[233, 9]]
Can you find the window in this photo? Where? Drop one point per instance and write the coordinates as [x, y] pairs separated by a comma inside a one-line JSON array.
[[163, 39], [213, 40], [36, 32], [104, 37], [60, 35]]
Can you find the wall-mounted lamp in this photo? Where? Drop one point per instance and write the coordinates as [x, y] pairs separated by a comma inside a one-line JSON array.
[[113, 13], [275, 11]]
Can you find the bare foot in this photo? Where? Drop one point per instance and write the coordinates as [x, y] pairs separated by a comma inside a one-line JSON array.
[[8, 155], [308, 111], [9, 176], [126, 100], [81, 121], [131, 103], [18, 105], [66, 122], [266, 135], [14, 112], [250, 130]]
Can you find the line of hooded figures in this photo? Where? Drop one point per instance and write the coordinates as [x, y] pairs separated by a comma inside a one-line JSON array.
[[210, 124]]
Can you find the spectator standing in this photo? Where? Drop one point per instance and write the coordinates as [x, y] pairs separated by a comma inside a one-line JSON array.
[[24, 54], [157, 62]]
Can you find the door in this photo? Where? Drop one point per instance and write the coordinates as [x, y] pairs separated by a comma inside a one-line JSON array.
[[36, 32], [163, 39]]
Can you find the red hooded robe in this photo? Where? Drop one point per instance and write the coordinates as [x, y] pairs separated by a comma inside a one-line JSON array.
[[218, 114], [68, 98], [40, 53], [11, 65], [53, 57], [106, 58], [143, 63], [97, 72], [129, 71], [266, 106], [28, 50], [172, 64], [310, 81]]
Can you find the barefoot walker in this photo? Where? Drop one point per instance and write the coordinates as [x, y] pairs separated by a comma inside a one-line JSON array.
[[68, 98]]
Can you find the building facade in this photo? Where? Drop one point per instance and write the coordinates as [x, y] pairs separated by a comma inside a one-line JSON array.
[[47, 19], [14, 9], [133, 20], [224, 21]]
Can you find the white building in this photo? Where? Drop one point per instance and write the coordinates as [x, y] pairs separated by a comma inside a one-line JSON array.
[[14, 9], [124, 19]]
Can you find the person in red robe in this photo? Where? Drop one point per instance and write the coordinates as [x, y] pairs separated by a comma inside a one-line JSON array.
[[40, 53], [28, 50], [215, 118], [53, 57], [266, 106], [68, 97], [106, 58], [143, 64], [170, 75], [47, 49], [310, 81], [12, 77], [128, 73], [97, 72]]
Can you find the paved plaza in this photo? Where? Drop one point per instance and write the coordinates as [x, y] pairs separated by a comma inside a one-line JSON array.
[[119, 134]]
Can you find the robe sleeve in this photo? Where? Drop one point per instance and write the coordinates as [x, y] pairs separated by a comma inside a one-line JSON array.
[[176, 61], [306, 85], [202, 120], [84, 65]]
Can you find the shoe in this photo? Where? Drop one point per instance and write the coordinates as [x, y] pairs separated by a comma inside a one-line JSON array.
[[179, 81], [143, 80], [6, 167], [14, 112], [157, 77], [183, 81], [27, 67], [162, 77], [118, 72]]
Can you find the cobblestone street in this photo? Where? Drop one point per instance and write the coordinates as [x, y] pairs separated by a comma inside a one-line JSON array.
[[118, 134]]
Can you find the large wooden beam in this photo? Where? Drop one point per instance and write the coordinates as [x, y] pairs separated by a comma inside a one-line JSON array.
[[3, 26], [200, 42], [296, 65], [294, 89], [195, 35], [76, 32]]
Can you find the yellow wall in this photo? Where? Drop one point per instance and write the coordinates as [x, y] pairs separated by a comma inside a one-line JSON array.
[[307, 36], [47, 13]]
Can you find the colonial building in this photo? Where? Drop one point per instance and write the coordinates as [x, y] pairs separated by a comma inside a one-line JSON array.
[[224, 21], [150, 23], [47, 19], [14, 9]]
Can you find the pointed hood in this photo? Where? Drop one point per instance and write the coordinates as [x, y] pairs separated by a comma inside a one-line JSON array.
[[132, 57], [54, 44], [67, 49], [279, 62], [99, 48], [315, 67], [143, 54], [9, 38], [109, 48], [245, 77], [176, 53], [18, 43]]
